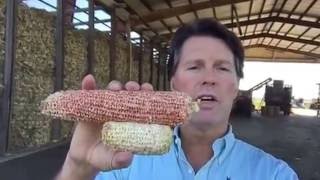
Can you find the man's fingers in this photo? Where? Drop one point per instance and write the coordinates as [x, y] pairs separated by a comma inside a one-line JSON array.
[[146, 87], [104, 158], [88, 82], [122, 160], [115, 86], [132, 86]]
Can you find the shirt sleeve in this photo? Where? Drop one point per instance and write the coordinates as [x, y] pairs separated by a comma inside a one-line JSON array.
[[284, 172]]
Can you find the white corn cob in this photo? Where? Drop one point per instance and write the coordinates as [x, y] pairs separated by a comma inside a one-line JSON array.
[[137, 138]]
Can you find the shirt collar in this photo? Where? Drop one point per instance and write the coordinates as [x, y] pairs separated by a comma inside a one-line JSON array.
[[221, 146]]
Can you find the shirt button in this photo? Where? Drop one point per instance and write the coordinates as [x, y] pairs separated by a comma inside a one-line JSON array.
[[190, 171]]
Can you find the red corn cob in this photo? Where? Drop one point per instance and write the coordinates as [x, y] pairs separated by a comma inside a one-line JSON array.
[[153, 107]]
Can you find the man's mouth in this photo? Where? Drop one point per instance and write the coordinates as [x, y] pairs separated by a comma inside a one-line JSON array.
[[206, 98]]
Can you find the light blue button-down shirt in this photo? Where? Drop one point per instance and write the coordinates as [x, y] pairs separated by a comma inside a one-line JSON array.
[[233, 160]]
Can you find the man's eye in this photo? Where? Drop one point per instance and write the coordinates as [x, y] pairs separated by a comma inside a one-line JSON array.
[[192, 68], [224, 69]]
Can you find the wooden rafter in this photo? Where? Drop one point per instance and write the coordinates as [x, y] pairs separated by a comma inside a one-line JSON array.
[[313, 49], [259, 15], [278, 14], [269, 19], [313, 39], [289, 15], [176, 11], [282, 5], [213, 10], [302, 15], [78, 10], [237, 19], [300, 18], [249, 15], [231, 14], [97, 21], [308, 59], [170, 5], [133, 12], [194, 11], [275, 36], [270, 14], [277, 19], [305, 31], [147, 5], [284, 49]]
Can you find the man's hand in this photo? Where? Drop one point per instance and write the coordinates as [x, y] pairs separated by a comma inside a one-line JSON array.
[[87, 154]]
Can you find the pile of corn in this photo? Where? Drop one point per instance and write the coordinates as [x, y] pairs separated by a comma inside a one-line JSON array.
[[75, 61], [121, 63], [136, 121], [2, 4], [101, 64], [33, 80]]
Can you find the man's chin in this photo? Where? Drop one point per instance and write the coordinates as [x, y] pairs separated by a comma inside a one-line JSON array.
[[203, 122]]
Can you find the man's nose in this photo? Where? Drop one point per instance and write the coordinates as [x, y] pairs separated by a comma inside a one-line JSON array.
[[209, 77]]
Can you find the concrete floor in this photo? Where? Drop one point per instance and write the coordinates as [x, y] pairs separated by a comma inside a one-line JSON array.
[[294, 139]]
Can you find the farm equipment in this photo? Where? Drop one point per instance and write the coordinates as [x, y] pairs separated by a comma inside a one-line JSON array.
[[277, 98], [243, 105]]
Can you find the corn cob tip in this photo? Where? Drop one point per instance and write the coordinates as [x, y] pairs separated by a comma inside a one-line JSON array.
[[193, 107], [45, 103]]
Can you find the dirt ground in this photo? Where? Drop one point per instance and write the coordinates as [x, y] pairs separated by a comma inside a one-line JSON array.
[[294, 139]]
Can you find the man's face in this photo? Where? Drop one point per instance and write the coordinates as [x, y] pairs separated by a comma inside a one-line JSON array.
[[206, 71]]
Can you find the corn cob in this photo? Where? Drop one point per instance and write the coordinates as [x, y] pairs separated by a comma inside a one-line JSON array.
[[157, 107], [137, 138]]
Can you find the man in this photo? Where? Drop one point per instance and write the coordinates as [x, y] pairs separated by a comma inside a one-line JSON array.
[[206, 62]]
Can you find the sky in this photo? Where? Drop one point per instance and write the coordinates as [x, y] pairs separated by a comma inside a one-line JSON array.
[[301, 76]]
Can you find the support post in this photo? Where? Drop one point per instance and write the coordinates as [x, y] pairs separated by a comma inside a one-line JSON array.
[[128, 29], [151, 63], [113, 44], [10, 55], [318, 102], [159, 68], [58, 64], [140, 59], [90, 39]]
